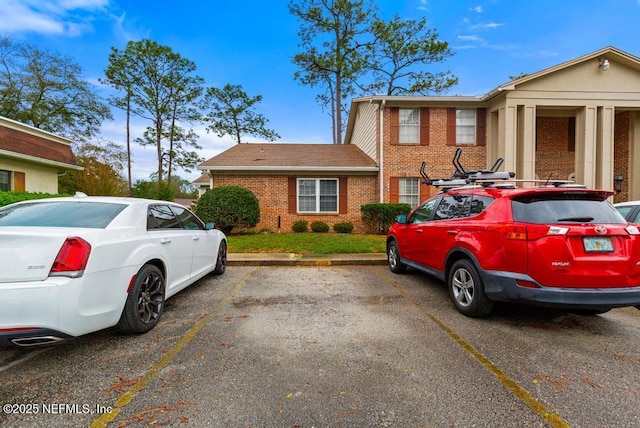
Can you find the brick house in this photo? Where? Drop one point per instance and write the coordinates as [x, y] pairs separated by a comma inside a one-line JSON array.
[[324, 182], [31, 159], [577, 120]]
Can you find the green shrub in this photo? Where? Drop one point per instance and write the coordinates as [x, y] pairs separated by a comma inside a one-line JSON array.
[[378, 217], [299, 226], [7, 198], [346, 227], [319, 227], [229, 207], [149, 190]]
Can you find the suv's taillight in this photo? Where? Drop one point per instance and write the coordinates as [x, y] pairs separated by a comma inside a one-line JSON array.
[[72, 258], [511, 231], [632, 230]]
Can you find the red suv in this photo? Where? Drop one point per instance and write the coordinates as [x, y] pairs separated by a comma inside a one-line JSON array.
[[556, 245]]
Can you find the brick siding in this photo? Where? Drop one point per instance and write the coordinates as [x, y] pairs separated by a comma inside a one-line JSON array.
[[404, 160], [272, 192]]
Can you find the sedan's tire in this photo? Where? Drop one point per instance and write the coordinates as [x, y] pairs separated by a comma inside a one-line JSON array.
[[467, 290], [221, 261], [393, 257], [145, 302]]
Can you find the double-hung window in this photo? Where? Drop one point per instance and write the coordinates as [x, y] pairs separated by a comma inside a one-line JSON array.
[[409, 125], [318, 195], [409, 191], [465, 126], [5, 181]]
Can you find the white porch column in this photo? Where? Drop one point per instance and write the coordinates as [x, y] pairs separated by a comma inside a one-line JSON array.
[[632, 175], [604, 148], [585, 155], [526, 146]]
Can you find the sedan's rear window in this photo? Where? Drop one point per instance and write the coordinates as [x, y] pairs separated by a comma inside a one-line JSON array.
[[94, 215], [564, 208]]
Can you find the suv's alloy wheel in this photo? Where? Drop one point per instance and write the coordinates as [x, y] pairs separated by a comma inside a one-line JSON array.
[[467, 290]]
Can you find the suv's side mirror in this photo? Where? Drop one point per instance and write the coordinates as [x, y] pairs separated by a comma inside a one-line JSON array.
[[402, 219], [210, 226]]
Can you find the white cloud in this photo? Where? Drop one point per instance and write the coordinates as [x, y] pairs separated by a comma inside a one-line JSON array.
[[471, 38], [493, 25], [48, 17], [19, 17], [477, 9], [483, 26]]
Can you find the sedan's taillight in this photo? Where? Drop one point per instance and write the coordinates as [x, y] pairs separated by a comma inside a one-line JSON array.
[[72, 258]]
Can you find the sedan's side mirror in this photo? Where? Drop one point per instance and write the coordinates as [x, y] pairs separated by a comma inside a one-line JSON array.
[[210, 226], [402, 219]]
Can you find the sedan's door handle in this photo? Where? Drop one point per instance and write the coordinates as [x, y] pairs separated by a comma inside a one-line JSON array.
[[453, 232], [196, 238], [165, 241], [419, 230]]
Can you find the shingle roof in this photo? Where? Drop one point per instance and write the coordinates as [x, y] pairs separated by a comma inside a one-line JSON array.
[[203, 179], [275, 156], [26, 141]]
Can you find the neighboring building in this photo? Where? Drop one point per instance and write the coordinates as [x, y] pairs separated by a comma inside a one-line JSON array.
[[324, 182], [31, 159], [203, 182], [578, 120]]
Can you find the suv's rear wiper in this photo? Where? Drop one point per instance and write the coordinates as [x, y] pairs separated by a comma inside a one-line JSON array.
[[577, 219]]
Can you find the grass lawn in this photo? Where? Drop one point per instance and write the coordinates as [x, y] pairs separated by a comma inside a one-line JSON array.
[[307, 243]]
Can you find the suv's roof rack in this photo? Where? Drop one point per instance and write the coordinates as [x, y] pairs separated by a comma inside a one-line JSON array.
[[485, 178]]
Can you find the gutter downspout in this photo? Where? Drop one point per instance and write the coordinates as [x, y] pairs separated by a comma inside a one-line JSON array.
[[382, 104]]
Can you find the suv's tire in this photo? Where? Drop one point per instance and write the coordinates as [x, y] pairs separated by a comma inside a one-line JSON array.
[[467, 290], [145, 302], [393, 257]]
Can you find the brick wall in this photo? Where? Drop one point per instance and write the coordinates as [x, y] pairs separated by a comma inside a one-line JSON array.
[[553, 158], [403, 160], [272, 192], [621, 153]]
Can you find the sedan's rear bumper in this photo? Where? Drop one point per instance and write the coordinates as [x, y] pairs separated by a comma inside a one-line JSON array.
[[61, 307], [31, 337], [502, 286]]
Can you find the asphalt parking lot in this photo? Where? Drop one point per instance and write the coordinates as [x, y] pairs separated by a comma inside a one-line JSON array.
[[333, 346]]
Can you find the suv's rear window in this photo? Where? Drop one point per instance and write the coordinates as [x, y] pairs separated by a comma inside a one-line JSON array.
[[96, 215], [564, 208]]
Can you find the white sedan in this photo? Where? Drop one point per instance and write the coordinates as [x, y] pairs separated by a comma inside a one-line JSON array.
[[70, 266]]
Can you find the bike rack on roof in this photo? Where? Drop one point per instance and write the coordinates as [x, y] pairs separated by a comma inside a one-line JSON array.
[[485, 178]]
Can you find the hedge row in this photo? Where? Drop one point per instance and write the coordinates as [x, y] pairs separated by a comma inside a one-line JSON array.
[[7, 198]]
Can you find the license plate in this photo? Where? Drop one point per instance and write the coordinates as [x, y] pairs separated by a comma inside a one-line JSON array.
[[597, 244]]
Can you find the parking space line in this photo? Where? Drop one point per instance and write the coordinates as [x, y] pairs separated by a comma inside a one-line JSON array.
[[142, 383], [522, 394], [28, 356]]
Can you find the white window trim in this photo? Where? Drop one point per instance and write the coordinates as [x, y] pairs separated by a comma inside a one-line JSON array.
[[410, 195], [416, 126], [317, 195], [475, 127]]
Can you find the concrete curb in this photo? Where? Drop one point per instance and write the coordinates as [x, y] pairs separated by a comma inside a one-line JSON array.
[[291, 259]]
